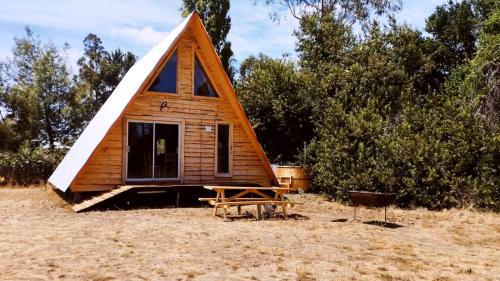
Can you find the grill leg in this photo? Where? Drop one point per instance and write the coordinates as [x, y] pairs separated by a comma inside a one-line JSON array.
[[385, 214], [354, 212]]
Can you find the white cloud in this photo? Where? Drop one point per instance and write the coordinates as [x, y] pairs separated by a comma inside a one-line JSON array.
[[132, 25], [146, 36], [253, 32], [91, 14]]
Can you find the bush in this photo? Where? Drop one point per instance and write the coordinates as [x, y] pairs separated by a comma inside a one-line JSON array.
[[488, 182], [28, 166], [441, 157]]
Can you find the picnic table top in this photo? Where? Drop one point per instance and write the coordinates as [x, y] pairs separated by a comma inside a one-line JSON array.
[[213, 187]]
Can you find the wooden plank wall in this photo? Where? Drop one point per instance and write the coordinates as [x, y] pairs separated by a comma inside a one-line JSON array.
[[105, 168]]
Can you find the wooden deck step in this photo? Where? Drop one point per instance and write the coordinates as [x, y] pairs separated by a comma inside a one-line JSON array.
[[100, 198]]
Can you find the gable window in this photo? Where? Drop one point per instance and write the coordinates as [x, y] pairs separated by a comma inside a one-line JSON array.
[[202, 86], [223, 143], [166, 81]]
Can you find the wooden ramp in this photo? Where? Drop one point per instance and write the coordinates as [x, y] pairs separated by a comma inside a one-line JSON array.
[[100, 198]]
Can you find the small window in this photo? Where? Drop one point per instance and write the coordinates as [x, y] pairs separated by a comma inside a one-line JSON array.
[[223, 149], [166, 81], [202, 86]]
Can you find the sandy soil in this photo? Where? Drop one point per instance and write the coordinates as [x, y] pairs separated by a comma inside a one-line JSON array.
[[41, 238]]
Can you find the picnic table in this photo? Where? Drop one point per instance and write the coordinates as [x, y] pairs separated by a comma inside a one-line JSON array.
[[259, 198]]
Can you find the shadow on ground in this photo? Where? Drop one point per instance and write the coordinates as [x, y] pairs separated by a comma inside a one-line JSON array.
[[156, 198], [340, 220], [246, 215], [384, 224], [373, 222]]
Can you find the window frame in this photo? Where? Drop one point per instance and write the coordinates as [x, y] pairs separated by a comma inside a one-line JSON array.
[[207, 74], [180, 146], [159, 69], [230, 152]]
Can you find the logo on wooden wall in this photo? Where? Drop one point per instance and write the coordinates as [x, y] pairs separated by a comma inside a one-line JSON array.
[[163, 105]]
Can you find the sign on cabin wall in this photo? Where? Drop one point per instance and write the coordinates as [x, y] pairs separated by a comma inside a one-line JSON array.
[[163, 105]]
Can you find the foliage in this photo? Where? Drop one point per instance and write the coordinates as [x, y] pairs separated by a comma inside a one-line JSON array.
[[393, 109], [8, 136], [482, 80], [35, 95], [99, 73], [270, 90], [42, 109], [428, 156], [488, 181], [214, 15], [28, 165], [406, 137], [347, 11], [455, 27]]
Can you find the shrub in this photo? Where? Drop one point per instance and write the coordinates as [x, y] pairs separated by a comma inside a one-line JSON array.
[[441, 157], [28, 166]]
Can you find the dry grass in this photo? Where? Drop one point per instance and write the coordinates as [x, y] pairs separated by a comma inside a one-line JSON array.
[[41, 238]]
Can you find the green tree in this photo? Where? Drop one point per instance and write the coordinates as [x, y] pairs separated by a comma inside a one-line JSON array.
[[99, 73], [37, 86], [325, 42], [376, 79], [7, 135], [347, 11], [381, 117], [270, 91], [455, 27], [477, 85], [214, 15], [389, 125], [10, 141], [483, 77]]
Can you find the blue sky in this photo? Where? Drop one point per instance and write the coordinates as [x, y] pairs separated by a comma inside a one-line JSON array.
[[137, 25]]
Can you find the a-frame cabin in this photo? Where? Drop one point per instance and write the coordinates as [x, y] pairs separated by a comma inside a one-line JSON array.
[[174, 119]]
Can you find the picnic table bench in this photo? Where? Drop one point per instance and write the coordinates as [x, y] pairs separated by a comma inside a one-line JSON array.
[[260, 198]]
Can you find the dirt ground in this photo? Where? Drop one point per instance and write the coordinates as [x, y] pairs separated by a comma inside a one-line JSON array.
[[41, 238]]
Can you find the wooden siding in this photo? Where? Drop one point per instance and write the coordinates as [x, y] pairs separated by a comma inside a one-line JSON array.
[[106, 167]]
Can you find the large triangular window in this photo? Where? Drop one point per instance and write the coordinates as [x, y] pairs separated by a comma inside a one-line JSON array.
[[166, 81], [202, 86]]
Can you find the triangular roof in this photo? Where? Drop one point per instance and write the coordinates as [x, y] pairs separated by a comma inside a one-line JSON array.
[[133, 83]]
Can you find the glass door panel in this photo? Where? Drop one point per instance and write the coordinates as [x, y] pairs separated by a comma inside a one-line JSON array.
[[166, 152], [140, 150]]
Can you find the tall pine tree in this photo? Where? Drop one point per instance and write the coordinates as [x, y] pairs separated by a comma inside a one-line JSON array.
[[214, 15]]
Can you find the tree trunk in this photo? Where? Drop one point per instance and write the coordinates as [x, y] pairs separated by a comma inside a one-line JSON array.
[[48, 128]]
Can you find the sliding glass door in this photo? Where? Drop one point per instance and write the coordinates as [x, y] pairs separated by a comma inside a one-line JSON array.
[[153, 151]]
